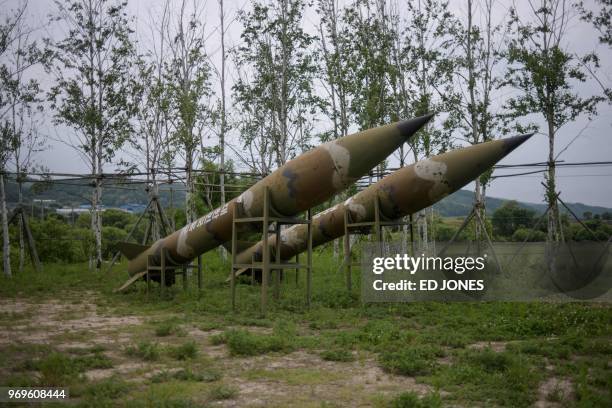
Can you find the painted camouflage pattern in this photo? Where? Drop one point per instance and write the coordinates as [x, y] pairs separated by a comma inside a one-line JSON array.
[[304, 182], [401, 193]]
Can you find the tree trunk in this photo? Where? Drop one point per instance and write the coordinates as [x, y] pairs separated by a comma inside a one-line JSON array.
[[551, 195], [96, 222], [21, 227], [223, 124], [155, 221], [189, 207], [6, 243]]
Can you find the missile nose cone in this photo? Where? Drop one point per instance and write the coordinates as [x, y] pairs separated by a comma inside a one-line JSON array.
[[410, 127], [513, 142]]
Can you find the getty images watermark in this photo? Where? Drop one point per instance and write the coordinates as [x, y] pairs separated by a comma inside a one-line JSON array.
[[515, 272]]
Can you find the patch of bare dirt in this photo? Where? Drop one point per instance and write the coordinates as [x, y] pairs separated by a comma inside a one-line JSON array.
[[51, 319], [122, 368], [354, 383], [553, 392], [497, 346]]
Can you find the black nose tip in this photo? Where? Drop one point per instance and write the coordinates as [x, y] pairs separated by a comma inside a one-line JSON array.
[[513, 142], [409, 127]]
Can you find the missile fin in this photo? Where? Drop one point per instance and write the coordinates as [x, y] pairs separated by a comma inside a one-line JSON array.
[[131, 250]]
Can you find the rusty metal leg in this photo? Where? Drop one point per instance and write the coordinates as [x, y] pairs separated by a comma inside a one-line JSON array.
[[148, 275], [199, 272], [234, 247], [412, 237], [162, 281], [297, 270], [309, 266], [377, 227], [347, 253], [277, 259], [265, 270], [253, 270]]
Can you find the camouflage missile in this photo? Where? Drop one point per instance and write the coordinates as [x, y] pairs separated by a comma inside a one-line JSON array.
[[403, 192], [306, 181]]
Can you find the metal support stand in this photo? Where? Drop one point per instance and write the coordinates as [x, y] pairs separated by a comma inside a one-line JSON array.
[[165, 268], [153, 208], [474, 213], [269, 217], [380, 221]]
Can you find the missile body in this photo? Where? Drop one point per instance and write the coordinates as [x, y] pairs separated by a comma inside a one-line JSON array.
[[403, 192], [304, 182]]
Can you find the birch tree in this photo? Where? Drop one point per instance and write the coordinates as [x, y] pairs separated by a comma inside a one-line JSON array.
[[546, 74], [91, 93], [275, 91], [153, 115], [424, 76], [336, 78], [188, 76], [19, 112], [476, 59]]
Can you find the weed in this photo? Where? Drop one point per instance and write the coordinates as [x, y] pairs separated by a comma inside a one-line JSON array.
[[93, 361], [58, 369], [244, 343], [109, 388], [168, 328], [207, 375], [555, 395], [410, 361], [217, 339], [337, 355], [491, 361], [412, 400], [185, 351], [145, 350], [222, 392]]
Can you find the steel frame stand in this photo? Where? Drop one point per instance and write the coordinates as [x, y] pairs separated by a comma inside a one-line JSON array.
[[164, 268], [474, 213], [270, 217], [379, 223], [153, 208]]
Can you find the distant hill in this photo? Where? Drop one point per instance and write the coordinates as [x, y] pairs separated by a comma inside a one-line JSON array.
[[460, 203], [74, 194]]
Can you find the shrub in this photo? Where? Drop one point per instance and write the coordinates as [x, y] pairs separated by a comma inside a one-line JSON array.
[[168, 328], [109, 388], [412, 400], [185, 351], [411, 361], [337, 355], [222, 392], [57, 369], [145, 350], [244, 343], [522, 234]]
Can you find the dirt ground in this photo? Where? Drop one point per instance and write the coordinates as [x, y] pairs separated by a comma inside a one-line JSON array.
[[298, 378]]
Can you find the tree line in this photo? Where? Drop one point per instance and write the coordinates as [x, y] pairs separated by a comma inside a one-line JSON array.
[[303, 72]]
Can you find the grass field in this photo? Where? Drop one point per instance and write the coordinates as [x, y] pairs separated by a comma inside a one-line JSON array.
[[65, 327]]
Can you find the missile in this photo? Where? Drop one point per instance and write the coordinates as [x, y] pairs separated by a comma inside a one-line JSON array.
[[304, 182], [401, 193]]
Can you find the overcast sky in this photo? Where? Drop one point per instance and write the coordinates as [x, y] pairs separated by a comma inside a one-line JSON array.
[[590, 185]]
